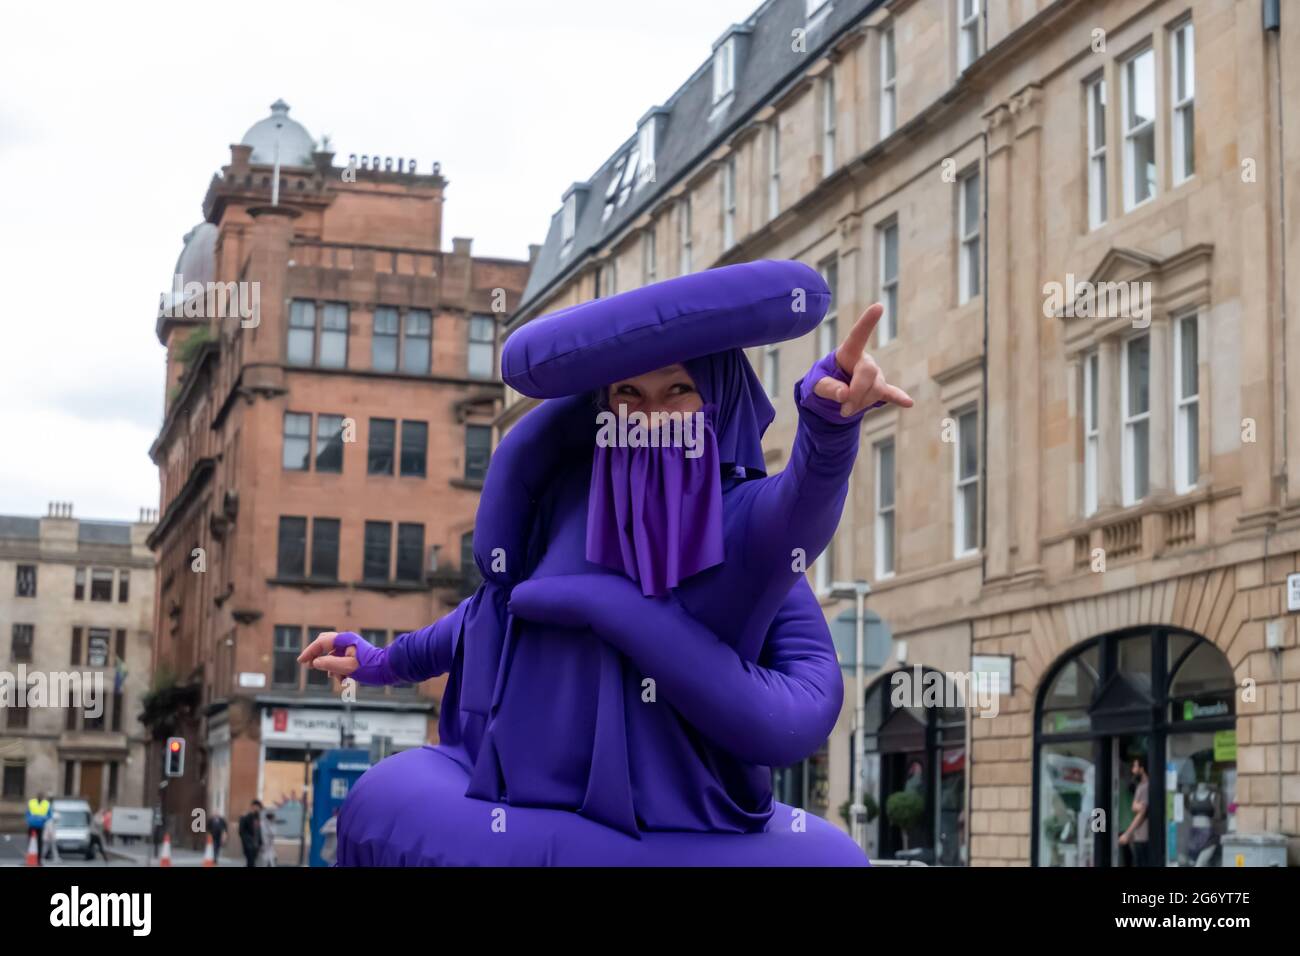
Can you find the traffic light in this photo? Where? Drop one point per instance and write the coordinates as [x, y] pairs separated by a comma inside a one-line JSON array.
[[174, 759]]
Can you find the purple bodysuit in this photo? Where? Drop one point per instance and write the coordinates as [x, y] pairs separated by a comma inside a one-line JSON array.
[[603, 727]]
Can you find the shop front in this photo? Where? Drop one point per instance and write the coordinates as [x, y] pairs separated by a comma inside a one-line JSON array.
[[1146, 712], [914, 774]]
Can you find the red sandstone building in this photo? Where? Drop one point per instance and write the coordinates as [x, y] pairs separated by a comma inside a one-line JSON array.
[[320, 458]]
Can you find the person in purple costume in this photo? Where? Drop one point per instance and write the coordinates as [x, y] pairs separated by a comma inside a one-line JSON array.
[[644, 646]]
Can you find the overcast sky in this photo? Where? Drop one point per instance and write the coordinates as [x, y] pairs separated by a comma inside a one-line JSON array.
[[114, 117]]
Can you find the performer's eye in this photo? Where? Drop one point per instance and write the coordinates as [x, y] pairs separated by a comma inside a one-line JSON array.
[[631, 391], [681, 388]]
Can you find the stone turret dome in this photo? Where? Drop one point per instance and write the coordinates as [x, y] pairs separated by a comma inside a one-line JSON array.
[[296, 144]]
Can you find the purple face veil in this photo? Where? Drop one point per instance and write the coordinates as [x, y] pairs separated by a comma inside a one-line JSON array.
[[655, 513]]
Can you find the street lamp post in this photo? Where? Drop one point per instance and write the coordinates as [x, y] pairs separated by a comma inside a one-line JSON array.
[[858, 590]]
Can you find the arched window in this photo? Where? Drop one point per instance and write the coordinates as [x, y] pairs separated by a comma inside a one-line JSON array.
[[915, 744], [1135, 752]]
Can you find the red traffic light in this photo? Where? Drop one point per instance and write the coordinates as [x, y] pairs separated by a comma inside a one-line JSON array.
[[176, 745]]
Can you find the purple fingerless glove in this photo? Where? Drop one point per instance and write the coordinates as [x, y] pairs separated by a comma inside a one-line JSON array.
[[824, 407], [372, 662]]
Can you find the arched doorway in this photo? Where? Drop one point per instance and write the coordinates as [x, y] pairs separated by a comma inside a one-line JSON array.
[[1159, 698], [919, 750]]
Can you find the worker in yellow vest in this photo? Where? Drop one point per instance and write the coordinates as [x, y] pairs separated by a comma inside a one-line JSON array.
[[38, 815]]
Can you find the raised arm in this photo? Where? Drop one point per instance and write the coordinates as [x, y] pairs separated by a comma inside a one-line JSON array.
[[410, 658], [774, 713], [800, 506]]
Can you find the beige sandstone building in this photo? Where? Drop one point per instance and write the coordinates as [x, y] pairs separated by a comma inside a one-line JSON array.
[[1096, 496], [76, 598]]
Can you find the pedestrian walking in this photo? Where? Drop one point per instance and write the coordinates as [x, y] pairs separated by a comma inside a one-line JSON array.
[[250, 832]]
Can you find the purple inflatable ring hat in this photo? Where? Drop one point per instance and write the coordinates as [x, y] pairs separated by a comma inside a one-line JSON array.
[[587, 346]]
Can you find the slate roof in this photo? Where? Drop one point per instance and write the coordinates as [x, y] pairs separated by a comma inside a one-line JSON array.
[[764, 66]]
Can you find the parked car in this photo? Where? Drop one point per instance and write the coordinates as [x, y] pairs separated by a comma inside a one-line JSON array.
[[75, 829]]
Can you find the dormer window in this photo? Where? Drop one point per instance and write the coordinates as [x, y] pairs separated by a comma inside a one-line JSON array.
[[569, 219], [645, 145], [724, 69], [621, 181]]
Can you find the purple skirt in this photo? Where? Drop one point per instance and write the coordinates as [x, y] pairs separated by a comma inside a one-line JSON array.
[[411, 810]]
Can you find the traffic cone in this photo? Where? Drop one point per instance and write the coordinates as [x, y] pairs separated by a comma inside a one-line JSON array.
[[208, 858], [165, 859], [32, 852]]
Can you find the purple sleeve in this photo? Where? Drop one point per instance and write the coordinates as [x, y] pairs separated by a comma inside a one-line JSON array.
[[800, 506], [410, 658], [772, 713]]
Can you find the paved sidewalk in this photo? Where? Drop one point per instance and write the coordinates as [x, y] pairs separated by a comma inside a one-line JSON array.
[[137, 855]]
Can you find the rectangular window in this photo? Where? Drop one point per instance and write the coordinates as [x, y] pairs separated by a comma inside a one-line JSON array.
[[772, 370], [828, 124], [1096, 153], [481, 359], [888, 84], [297, 441], [1091, 433], [773, 169], [378, 551], [79, 585], [885, 508], [20, 647], [15, 782], [417, 342], [828, 331], [968, 33], [1186, 404], [302, 332], [334, 335], [325, 548], [966, 502], [97, 639], [383, 342], [1136, 390], [410, 552], [1139, 111], [724, 69], [729, 203], [291, 558], [123, 586], [469, 572], [1183, 87], [284, 661], [15, 717], [101, 585], [968, 269], [887, 330], [478, 451], [317, 678], [649, 257], [379, 455], [824, 569], [415, 446], [119, 646], [25, 581], [76, 647], [684, 235], [329, 443]]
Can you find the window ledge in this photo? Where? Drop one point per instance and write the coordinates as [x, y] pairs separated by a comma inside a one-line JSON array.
[[391, 585], [306, 583], [473, 484]]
